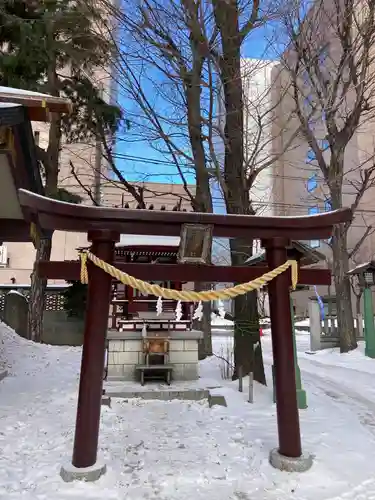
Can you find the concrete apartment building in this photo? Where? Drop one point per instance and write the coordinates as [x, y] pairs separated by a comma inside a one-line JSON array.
[[257, 97], [258, 119], [298, 186]]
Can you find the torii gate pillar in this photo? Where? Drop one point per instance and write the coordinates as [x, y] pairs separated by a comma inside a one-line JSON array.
[[288, 456], [84, 463]]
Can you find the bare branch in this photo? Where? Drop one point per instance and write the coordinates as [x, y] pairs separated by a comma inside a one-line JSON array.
[[86, 189], [355, 250]]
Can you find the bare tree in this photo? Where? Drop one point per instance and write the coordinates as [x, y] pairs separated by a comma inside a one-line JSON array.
[[330, 67], [176, 61]]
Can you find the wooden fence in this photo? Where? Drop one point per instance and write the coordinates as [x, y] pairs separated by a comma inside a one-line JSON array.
[[54, 295]]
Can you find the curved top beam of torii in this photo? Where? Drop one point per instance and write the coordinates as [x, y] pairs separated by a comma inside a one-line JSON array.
[[51, 214]]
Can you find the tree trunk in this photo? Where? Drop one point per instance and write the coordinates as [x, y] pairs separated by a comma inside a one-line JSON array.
[[345, 320], [37, 293], [50, 161], [247, 342], [340, 264], [203, 203], [237, 195]]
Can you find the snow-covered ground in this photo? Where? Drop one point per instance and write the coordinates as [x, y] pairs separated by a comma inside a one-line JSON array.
[[179, 450], [217, 322]]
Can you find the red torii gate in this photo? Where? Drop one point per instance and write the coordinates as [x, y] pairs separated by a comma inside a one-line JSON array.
[[104, 226]]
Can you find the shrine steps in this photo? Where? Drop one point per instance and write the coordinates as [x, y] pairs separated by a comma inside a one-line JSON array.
[[162, 392]]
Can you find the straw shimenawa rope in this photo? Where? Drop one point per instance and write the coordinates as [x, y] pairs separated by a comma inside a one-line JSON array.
[[186, 295]]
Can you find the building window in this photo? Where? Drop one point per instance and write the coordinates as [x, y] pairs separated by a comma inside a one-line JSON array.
[[312, 211], [323, 146], [311, 122], [312, 183], [306, 78], [323, 56], [310, 156], [307, 103]]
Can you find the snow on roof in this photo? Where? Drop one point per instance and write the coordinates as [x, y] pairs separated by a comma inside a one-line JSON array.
[[27, 285], [9, 105], [362, 267], [129, 240], [256, 257], [22, 92], [34, 99]]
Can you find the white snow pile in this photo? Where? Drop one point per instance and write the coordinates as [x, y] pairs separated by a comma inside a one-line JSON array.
[[24, 357], [217, 321], [303, 322], [181, 450]]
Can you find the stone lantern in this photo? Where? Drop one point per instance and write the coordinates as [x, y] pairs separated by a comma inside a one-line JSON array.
[[365, 274]]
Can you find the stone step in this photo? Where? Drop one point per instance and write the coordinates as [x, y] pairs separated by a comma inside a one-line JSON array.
[[154, 367]]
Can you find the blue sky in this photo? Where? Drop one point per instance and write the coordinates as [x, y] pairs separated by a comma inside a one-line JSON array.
[[139, 161]]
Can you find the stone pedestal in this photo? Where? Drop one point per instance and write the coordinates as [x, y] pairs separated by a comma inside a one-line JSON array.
[[290, 464], [315, 325], [125, 352], [70, 473]]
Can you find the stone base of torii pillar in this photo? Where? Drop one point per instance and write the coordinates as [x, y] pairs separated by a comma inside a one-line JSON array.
[[70, 473], [290, 464]]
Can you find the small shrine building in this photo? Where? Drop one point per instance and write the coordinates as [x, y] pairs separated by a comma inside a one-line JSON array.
[[127, 303]]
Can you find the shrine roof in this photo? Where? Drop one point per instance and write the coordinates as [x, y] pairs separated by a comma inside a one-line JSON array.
[[38, 105], [18, 169], [362, 268], [296, 250]]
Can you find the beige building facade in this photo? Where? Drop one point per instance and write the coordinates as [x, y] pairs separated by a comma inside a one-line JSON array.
[[299, 188]]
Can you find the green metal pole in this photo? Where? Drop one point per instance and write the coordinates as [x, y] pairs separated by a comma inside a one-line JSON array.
[[369, 323], [301, 393]]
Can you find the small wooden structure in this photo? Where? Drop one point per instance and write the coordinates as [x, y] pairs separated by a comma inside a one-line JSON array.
[[104, 226], [134, 319], [156, 359], [297, 250], [19, 168], [303, 254], [128, 305], [37, 106], [126, 349], [365, 274]]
